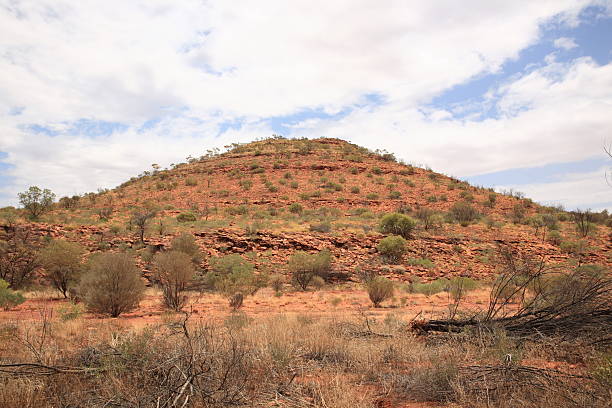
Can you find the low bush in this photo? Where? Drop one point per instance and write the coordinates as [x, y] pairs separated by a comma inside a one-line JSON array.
[[303, 267], [424, 262], [112, 285], [186, 217], [397, 224], [173, 271], [296, 208], [321, 227], [9, 298], [379, 290], [464, 213], [392, 248]]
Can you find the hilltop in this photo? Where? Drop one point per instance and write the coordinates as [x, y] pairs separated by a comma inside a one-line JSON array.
[[268, 198]]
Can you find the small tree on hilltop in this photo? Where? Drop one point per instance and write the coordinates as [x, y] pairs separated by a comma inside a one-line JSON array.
[[36, 201], [173, 272], [112, 284], [62, 263]]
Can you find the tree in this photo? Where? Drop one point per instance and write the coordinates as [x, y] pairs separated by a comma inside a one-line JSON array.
[[36, 201], [173, 272], [584, 222], [18, 260], [62, 263], [112, 285], [303, 267], [140, 219]]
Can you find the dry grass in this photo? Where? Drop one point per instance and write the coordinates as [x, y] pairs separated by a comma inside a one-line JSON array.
[[294, 360]]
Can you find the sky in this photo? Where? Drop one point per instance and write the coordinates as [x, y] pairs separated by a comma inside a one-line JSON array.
[[505, 94]]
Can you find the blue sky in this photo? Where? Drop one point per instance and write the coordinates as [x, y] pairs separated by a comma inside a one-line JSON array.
[[503, 94]]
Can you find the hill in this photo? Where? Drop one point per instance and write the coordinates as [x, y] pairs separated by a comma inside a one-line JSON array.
[[267, 199]]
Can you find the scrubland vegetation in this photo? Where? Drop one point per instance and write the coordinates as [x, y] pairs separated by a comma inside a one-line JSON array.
[[282, 218]]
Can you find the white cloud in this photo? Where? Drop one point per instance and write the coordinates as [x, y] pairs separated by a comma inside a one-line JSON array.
[[565, 43], [215, 61], [558, 113], [571, 190]]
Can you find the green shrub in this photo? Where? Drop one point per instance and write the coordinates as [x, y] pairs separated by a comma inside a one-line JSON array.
[[392, 248], [303, 267], [238, 210], [355, 190], [379, 290], [372, 196], [491, 199], [9, 298], [294, 184], [555, 238], [395, 195], [71, 311], [424, 262], [518, 213], [231, 275], [186, 217], [574, 248], [397, 224], [186, 244], [463, 213], [246, 184], [428, 289], [190, 181], [321, 227], [112, 285], [296, 208]]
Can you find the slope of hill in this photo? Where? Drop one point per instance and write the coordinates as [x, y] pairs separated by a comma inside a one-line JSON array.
[[268, 198]]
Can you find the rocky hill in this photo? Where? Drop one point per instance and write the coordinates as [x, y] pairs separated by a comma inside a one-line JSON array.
[[266, 199]]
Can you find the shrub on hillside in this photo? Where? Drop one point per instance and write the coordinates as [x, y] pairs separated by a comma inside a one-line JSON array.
[[112, 285], [61, 261], [392, 248], [379, 290], [186, 243], [397, 224], [186, 217], [324, 226], [555, 238], [9, 298], [296, 208], [303, 267], [464, 213], [173, 271]]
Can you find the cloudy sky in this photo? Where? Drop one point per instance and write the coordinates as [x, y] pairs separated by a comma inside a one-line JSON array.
[[511, 94]]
